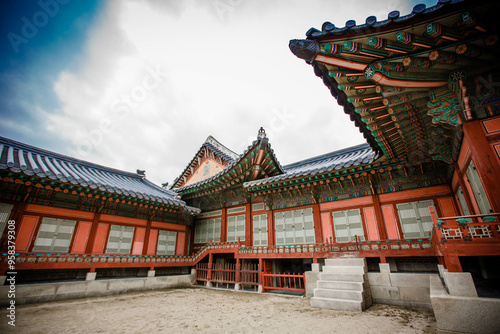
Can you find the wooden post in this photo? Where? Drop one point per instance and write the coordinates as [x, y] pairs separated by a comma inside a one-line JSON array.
[[223, 225], [382, 233], [485, 161], [270, 228], [92, 234], [261, 269], [210, 264], [146, 238], [237, 285], [318, 228], [248, 225], [453, 264]]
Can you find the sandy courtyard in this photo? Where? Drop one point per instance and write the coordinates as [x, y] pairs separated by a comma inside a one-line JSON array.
[[209, 311]]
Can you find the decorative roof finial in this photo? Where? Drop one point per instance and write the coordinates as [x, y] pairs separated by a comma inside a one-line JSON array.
[[304, 49], [141, 173], [261, 134]]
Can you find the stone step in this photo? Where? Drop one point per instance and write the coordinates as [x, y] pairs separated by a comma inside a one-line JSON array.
[[338, 304], [341, 261], [345, 269], [341, 277], [340, 285], [340, 294]]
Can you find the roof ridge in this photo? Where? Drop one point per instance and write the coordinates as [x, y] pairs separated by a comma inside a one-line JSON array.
[[52, 154], [351, 149], [224, 149]]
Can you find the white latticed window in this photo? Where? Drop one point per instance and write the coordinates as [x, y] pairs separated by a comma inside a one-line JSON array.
[[5, 210], [478, 189], [463, 203], [415, 218], [347, 225], [166, 243], [120, 239], [260, 230], [54, 235], [206, 230], [294, 227], [236, 228]]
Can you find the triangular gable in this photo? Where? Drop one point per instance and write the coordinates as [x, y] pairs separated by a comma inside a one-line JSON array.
[[211, 158]]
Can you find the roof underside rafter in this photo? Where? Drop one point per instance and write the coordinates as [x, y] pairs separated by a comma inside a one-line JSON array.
[[403, 80]]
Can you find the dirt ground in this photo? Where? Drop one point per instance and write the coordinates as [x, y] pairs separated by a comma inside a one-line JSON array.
[[203, 310]]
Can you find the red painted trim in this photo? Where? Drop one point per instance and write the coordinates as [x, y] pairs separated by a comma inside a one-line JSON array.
[[138, 241], [345, 204], [26, 235], [60, 212], [341, 62], [487, 166], [123, 220], [81, 237], [420, 193], [386, 81], [169, 226], [371, 224], [152, 242], [491, 125], [101, 238]]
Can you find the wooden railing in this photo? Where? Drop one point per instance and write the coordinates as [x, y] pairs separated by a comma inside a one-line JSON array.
[[283, 282], [249, 276], [479, 228]]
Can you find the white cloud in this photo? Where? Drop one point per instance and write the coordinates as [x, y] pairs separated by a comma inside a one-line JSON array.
[[225, 71]]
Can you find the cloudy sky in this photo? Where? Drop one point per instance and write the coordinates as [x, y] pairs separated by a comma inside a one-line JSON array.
[[140, 84]]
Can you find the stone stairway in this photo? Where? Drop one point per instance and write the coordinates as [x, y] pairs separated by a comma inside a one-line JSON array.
[[343, 285]]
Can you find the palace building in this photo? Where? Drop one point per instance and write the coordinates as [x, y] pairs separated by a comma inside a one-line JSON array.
[[421, 197]]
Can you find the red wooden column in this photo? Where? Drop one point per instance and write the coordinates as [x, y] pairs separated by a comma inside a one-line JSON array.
[[379, 217], [318, 228], [485, 161], [146, 238], [261, 269], [238, 271], [248, 225], [453, 264], [270, 228], [92, 234], [223, 225], [210, 263]]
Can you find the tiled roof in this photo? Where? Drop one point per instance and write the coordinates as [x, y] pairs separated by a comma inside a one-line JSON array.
[[345, 158], [393, 20], [215, 146], [262, 142], [20, 158]]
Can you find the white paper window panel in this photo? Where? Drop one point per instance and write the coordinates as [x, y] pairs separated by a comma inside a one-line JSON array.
[[478, 189], [260, 230], [166, 243], [415, 218], [120, 239], [463, 203], [5, 211], [54, 235], [236, 228], [210, 214], [348, 224], [208, 229], [236, 210], [294, 227], [258, 207]]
